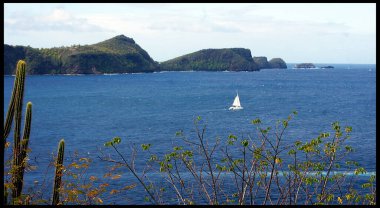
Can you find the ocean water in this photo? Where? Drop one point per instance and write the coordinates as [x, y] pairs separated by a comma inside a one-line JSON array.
[[89, 110]]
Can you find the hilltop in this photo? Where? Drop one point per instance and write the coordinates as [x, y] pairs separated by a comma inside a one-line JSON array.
[[119, 54], [226, 59]]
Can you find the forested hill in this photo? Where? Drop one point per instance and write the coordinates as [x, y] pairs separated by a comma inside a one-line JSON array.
[[116, 55], [226, 59], [121, 54]]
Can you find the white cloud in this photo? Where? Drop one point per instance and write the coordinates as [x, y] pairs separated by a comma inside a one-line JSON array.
[[169, 30], [57, 19]]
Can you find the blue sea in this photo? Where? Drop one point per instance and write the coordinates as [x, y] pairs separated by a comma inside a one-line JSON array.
[[149, 108]]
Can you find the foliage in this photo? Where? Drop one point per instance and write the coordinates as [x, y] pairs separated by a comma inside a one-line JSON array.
[[264, 169]]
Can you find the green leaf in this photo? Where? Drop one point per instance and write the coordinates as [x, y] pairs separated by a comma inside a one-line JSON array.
[[179, 133], [145, 146], [256, 121], [360, 170], [177, 148], [336, 126], [245, 143], [107, 144], [348, 129], [231, 136], [325, 135], [285, 123], [116, 140], [292, 152], [348, 148], [366, 185]]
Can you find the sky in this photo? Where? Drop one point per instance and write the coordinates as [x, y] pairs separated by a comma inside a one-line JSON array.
[[295, 32]]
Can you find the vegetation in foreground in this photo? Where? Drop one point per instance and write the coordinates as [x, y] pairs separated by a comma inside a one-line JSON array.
[[255, 169]]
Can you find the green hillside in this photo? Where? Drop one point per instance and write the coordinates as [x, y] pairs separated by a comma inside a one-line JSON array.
[[116, 55], [230, 59]]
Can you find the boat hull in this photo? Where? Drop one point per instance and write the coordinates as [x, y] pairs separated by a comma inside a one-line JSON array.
[[235, 108]]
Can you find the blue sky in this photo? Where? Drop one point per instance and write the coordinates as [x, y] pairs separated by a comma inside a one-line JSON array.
[[317, 33]]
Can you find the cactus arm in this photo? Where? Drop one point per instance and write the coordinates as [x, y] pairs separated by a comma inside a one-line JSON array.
[[24, 145], [58, 172], [10, 112]]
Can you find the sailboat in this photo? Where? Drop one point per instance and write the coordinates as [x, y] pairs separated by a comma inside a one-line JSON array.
[[236, 104]]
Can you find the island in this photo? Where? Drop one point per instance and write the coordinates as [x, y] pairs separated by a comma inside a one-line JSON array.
[[226, 59], [122, 54], [277, 63], [327, 67], [262, 62], [305, 66]]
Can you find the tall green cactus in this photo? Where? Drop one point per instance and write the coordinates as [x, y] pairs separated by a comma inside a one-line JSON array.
[[58, 172], [20, 75], [14, 112], [20, 147]]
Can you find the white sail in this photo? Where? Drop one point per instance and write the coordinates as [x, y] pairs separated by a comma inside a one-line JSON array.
[[236, 104]]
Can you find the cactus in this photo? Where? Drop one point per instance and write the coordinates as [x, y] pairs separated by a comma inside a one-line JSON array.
[[14, 112], [24, 145], [20, 75], [58, 172], [19, 146]]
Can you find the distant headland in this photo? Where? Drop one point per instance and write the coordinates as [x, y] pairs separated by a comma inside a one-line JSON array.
[[305, 66], [311, 66], [121, 54]]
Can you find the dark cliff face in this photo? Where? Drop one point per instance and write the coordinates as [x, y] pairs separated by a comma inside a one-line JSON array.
[[262, 62], [277, 63], [116, 55], [230, 59]]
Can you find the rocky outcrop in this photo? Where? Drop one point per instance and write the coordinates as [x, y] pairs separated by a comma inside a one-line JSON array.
[[304, 66], [262, 62], [277, 63]]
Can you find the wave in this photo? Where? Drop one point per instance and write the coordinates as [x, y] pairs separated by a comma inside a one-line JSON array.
[[111, 74], [68, 74]]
